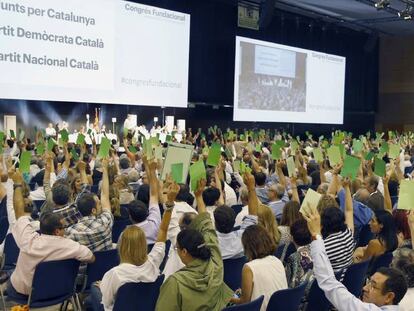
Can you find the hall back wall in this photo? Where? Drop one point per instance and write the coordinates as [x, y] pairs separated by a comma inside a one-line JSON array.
[[211, 71]]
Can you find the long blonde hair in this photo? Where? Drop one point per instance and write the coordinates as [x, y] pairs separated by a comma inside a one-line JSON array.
[[268, 221], [133, 246]]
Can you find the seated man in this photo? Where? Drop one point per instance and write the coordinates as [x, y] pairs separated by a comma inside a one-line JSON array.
[[384, 289], [230, 240], [277, 199], [48, 245], [94, 229]]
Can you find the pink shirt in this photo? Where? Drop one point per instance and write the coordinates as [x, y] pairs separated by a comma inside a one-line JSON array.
[[36, 248]]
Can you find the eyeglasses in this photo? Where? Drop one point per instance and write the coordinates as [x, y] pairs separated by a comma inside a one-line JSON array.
[[372, 284]]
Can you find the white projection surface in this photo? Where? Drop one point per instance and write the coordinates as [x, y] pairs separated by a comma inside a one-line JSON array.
[[278, 83], [101, 51]]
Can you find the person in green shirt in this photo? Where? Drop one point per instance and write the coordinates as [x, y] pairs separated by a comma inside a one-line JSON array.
[[199, 285]]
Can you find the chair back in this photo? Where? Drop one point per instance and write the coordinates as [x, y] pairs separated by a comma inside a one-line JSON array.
[[118, 227], [254, 305], [283, 251], [53, 282], [104, 261], [377, 262], [138, 296], [355, 277], [4, 227], [365, 236], [287, 299], [95, 189], [233, 272], [316, 299], [11, 253]]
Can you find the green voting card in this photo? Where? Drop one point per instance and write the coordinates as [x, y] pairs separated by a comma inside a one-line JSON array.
[[214, 154], [40, 149], [276, 152], [406, 195], [357, 146], [394, 151], [311, 200], [334, 155], [64, 135], [177, 172], [80, 140], [291, 166], [317, 153], [379, 167], [24, 164], [50, 144], [351, 167], [104, 148], [197, 172]]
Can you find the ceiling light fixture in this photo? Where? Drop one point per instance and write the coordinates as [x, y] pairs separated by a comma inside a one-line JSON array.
[[382, 4], [408, 13]]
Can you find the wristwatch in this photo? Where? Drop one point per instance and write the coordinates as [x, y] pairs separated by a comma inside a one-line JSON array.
[[169, 206], [316, 237]]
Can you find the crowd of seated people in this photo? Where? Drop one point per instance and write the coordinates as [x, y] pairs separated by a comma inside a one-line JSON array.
[[67, 208]]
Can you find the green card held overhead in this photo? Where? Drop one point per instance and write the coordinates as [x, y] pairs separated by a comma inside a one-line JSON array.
[[384, 148], [50, 144], [394, 151], [311, 200], [236, 166], [370, 155], [342, 150], [80, 140], [177, 172], [21, 134], [168, 138], [291, 166], [12, 135], [294, 146], [351, 167], [214, 154], [24, 164], [406, 195], [90, 131], [2, 137], [64, 135], [276, 152], [334, 155], [197, 172], [318, 155], [357, 146], [40, 149], [158, 152], [75, 155], [379, 167], [148, 149], [132, 149], [104, 148]]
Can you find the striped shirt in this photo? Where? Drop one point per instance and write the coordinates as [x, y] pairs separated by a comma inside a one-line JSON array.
[[340, 248]]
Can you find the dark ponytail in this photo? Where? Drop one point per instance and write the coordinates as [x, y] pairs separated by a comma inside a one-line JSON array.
[[193, 242]]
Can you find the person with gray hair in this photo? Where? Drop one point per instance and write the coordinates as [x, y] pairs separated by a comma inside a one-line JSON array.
[[133, 180], [277, 199], [403, 260]]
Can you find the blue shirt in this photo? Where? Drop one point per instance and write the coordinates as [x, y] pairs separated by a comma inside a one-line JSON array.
[[362, 213]]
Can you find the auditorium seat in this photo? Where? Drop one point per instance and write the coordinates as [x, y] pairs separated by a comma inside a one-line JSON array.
[[254, 305], [233, 272], [287, 299]]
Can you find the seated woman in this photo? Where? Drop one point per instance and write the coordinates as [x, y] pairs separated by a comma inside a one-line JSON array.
[[199, 285], [268, 221], [289, 216], [383, 226], [264, 273], [402, 227], [135, 264]]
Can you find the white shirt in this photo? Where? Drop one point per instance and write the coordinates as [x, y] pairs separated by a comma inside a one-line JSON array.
[[148, 272], [407, 303], [38, 194], [50, 131], [243, 213], [231, 198], [334, 290], [230, 243], [268, 276]]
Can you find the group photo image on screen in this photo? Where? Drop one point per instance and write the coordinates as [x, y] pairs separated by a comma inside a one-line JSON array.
[[279, 83], [272, 79]]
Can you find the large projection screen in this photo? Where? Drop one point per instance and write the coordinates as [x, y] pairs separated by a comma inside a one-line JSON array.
[[278, 83], [100, 51]]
